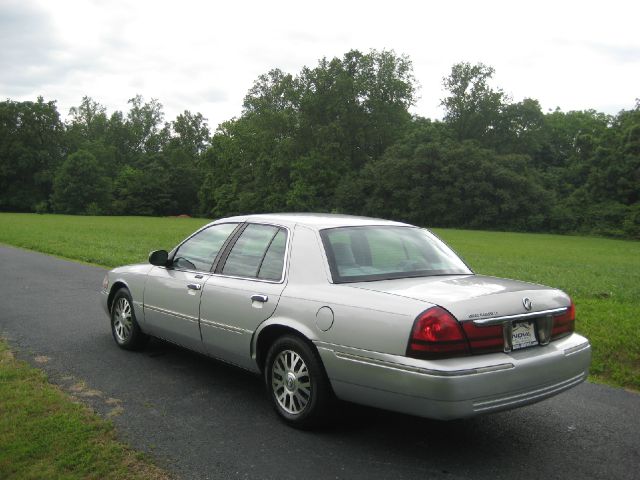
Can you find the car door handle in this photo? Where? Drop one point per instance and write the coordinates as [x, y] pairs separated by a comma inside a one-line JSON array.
[[259, 298], [194, 286]]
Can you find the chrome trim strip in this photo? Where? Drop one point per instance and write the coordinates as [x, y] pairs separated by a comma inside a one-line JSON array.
[[250, 279], [577, 348], [421, 371], [186, 270], [223, 326], [529, 396], [172, 313], [508, 318]]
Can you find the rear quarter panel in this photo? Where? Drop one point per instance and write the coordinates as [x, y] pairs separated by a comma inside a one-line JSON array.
[[361, 319]]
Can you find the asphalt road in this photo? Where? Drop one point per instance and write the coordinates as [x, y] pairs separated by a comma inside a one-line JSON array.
[[202, 419]]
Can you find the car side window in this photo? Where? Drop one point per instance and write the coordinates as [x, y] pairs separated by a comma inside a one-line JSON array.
[[256, 245], [199, 251], [273, 262]]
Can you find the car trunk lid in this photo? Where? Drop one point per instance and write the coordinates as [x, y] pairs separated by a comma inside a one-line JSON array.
[[473, 297]]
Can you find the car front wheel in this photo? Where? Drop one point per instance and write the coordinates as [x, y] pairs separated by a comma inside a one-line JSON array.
[[124, 326], [297, 383]]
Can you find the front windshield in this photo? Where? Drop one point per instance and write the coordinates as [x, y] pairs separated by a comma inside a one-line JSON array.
[[367, 253]]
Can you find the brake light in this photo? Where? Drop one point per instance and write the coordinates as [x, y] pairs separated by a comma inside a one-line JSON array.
[[564, 324], [484, 339], [437, 334]]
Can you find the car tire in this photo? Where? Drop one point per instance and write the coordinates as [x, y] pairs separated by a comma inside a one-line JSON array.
[[124, 326], [296, 382]]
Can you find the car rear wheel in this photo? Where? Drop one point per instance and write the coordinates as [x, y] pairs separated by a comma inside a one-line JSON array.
[[297, 383], [124, 326]]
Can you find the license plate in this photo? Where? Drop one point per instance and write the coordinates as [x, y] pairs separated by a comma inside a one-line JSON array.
[[523, 335]]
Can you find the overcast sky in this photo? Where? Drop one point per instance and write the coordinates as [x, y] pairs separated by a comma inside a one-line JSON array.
[[204, 56]]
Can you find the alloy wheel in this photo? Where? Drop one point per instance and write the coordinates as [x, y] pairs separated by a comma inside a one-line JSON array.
[[122, 320], [291, 382]]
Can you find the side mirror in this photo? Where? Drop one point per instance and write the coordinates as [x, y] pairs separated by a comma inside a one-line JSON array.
[[159, 258]]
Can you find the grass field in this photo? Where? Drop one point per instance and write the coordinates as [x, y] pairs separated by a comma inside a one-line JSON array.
[[105, 241], [45, 435], [601, 275]]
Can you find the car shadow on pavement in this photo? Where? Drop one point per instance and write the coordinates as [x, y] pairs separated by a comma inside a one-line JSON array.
[[369, 425]]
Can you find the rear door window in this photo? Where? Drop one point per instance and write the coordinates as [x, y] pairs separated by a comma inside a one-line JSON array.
[[258, 253], [273, 262]]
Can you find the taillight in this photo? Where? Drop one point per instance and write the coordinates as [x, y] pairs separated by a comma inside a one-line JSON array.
[[484, 339], [437, 334], [565, 323]]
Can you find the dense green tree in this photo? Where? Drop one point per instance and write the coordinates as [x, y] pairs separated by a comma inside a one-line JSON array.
[[166, 184], [591, 167], [299, 137], [430, 180], [246, 168], [192, 133], [520, 128], [337, 136], [179, 177], [145, 124], [134, 192], [80, 186], [120, 138], [88, 122], [31, 148], [472, 107], [571, 136]]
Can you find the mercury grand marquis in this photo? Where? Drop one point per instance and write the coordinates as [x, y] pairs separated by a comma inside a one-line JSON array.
[[371, 311]]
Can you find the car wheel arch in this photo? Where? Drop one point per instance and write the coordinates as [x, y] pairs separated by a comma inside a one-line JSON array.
[[269, 332], [117, 285]]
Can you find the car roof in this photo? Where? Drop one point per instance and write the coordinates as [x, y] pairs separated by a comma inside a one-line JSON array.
[[316, 221]]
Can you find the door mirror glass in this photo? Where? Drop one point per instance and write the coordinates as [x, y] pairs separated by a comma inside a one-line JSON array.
[[159, 258]]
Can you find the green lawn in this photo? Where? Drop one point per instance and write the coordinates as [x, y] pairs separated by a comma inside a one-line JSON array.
[[601, 275], [105, 241], [44, 435]]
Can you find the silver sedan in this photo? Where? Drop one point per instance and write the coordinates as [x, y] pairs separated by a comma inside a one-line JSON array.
[[371, 311]]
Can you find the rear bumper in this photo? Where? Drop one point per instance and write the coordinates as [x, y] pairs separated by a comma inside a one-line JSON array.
[[456, 388]]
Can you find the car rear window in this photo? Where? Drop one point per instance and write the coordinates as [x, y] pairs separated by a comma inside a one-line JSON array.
[[385, 252]]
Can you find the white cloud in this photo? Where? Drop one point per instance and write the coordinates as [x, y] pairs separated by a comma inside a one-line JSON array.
[[204, 56]]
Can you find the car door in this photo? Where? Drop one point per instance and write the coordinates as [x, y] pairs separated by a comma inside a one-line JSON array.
[[243, 292], [172, 294]]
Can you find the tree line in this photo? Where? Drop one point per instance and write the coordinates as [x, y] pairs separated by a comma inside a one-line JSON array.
[[336, 137]]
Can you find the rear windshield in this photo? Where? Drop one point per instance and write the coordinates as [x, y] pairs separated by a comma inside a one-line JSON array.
[[366, 253]]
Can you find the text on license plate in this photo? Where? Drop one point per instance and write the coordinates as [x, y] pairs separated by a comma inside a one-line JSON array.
[[523, 335]]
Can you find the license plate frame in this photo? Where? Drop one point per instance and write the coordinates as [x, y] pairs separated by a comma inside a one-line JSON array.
[[523, 335]]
